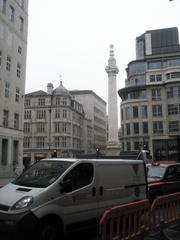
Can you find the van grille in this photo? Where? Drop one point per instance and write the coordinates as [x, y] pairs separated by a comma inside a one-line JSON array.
[[4, 207]]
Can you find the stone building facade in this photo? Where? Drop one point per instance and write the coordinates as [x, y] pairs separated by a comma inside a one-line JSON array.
[[13, 49], [95, 111], [53, 122]]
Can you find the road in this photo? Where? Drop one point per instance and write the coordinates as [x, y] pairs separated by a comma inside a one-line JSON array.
[[82, 235]]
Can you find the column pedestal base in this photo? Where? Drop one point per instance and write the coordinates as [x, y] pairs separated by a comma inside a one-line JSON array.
[[113, 149]]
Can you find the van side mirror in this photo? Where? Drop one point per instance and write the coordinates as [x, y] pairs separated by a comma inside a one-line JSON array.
[[66, 186]]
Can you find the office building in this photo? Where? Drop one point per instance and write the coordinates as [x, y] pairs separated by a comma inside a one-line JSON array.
[[95, 110], [150, 107]]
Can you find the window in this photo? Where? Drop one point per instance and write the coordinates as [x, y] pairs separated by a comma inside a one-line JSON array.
[[57, 127], [173, 92], [154, 65], [7, 88], [168, 76], [136, 128], [156, 78], [21, 24], [41, 102], [40, 142], [158, 127], [20, 49], [128, 146], [173, 62], [16, 121], [40, 127], [136, 145], [5, 118], [169, 92], [27, 127], [128, 128], [64, 127], [135, 112], [58, 101], [17, 95], [57, 142], [26, 142], [152, 78], [3, 6], [140, 49], [80, 176], [4, 153], [174, 126], [145, 127], [173, 109], [172, 75], [64, 101], [27, 102], [122, 130], [8, 63], [64, 113], [12, 12], [27, 114], [57, 113], [41, 114], [122, 116], [64, 141], [18, 70], [127, 112], [156, 94], [144, 112], [157, 110]]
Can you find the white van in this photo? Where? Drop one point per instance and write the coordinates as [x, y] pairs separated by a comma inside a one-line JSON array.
[[56, 196]]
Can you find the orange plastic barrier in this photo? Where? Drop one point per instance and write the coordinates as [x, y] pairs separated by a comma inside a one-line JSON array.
[[134, 220], [165, 211], [126, 222]]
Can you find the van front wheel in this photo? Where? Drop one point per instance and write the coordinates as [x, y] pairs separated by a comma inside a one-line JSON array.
[[49, 230]]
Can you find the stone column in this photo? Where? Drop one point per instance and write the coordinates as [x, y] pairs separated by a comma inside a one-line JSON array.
[[113, 147]]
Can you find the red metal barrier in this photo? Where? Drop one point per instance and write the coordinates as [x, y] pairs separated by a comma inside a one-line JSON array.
[[126, 222], [165, 211]]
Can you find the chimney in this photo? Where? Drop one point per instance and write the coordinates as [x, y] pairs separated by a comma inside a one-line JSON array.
[[50, 88]]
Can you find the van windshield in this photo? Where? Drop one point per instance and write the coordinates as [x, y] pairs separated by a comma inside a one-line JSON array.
[[42, 174]]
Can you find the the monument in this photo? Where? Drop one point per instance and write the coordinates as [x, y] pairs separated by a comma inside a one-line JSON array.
[[113, 146]]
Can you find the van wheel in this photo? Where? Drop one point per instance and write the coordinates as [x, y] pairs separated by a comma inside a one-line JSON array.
[[49, 230]]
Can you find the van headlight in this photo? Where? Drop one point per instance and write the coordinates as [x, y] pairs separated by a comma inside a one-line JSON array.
[[23, 203]]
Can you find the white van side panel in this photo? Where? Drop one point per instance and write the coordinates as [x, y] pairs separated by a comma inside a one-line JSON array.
[[120, 183]]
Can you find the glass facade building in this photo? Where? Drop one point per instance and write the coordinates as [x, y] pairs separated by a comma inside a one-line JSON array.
[[150, 107]]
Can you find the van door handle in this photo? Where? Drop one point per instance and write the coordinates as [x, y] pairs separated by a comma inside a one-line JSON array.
[[101, 190], [93, 191]]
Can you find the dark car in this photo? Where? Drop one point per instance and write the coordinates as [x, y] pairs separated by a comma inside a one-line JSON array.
[[163, 178]]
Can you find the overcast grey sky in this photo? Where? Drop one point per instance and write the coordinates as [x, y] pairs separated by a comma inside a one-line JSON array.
[[72, 37]]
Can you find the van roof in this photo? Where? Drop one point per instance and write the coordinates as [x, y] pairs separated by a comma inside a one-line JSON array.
[[132, 161]]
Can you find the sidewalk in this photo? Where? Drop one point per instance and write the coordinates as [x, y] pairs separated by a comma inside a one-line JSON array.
[[170, 233]]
